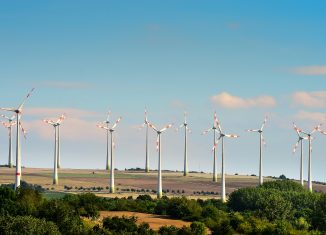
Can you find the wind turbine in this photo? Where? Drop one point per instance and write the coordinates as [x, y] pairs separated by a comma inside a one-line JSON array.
[[146, 144], [186, 130], [221, 137], [214, 128], [300, 141], [309, 136], [158, 147], [9, 125], [18, 112], [111, 130], [261, 143], [56, 126]]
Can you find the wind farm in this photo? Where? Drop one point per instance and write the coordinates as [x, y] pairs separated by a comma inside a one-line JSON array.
[[162, 117]]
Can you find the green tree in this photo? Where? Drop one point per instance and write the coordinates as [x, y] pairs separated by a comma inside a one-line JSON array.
[[274, 207], [319, 215], [198, 228], [27, 225]]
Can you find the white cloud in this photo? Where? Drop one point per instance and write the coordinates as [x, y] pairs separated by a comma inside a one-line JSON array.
[[73, 128], [315, 99], [310, 70], [315, 117], [227, 100]]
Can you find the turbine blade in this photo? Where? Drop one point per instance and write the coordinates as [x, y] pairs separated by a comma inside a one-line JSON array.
[[295, 147], [103, 127], [5, 124], [61, 119], [8, 109], [23, 130], [252, 130], [141, 126], [263, 140], [232, 136], [297, 129], [166, 127], [215, 119], [316, 128], [217, 123], [216, 144], [49, 121], [4, 116], [189, 130], [108, 116], [322, 131], [146, 120], [208, 130], [157, 143], [153, 127], [20, 107], [264, 123], [116, 122]]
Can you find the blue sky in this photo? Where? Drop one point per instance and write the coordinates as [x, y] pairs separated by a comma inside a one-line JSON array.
[[242, 59]]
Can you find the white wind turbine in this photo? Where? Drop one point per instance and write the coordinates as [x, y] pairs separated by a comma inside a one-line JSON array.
[[186, 130], [309, 136], [111, 130], [158, 147], [221, 137], [18, 112], [261, 143], [56, 126], [9, 126], [146, 144], [214, 129], [300, 141]]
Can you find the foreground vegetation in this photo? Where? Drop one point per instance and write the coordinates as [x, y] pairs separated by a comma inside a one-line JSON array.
[[278, 207]]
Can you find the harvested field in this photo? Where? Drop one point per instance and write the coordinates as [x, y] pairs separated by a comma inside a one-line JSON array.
[[133, 183], [154, 221]]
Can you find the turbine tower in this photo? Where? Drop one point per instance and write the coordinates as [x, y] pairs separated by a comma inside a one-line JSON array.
[[300, 141], [59, 121], [111, 130], [261, 143], [56, 126], [221, 137], [146, 144], [9, 126], [214, 129], [158, 147], [186, 130], [309, 136], [18, 112]]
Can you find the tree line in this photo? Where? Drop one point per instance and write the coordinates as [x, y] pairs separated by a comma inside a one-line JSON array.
[[277, 207]]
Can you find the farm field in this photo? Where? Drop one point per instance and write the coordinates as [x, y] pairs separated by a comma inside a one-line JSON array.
[[132, 183], [154, 221]]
